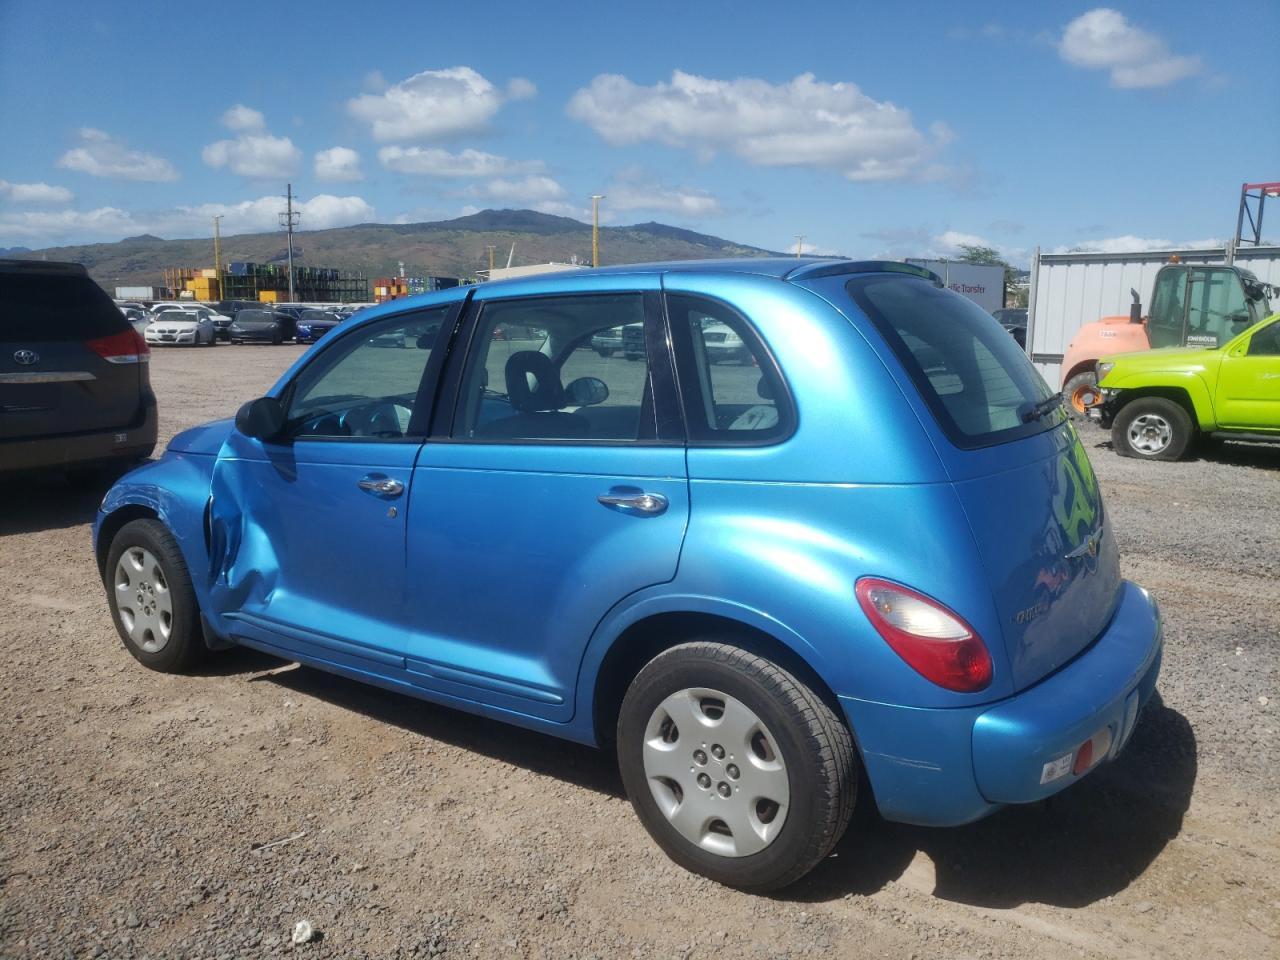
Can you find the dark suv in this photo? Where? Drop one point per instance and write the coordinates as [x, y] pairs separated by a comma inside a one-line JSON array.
[[75, 389]]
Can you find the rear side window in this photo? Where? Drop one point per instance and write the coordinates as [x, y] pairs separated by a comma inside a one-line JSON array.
[[733, 393], [976, 381], [49, 307]]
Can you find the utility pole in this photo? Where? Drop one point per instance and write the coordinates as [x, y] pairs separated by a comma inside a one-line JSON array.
[[799, 244], [491, 261], [595, 228], [217, 255], [289, 220]]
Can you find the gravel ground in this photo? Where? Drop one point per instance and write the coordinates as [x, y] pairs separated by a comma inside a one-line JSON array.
[[149, 815]]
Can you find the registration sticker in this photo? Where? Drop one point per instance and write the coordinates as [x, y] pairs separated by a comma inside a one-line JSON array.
[[1055, 769]]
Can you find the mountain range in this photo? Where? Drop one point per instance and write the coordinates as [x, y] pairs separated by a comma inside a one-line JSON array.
[[452, 248]]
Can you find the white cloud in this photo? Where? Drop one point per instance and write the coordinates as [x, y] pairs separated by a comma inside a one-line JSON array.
[[521, 88], [435, 162], [111, 223], [255, 153], [951, 241], [530, 189], [632, 189], [1103, 39], [101, 155], [804, 122], [240, 118], [1131, 244], [433, 104], [338, 163], [34, 193]]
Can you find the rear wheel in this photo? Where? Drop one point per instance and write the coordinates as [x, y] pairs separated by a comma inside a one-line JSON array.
[[1152, 428], [151, 599], [1076, 390], [737, 769]]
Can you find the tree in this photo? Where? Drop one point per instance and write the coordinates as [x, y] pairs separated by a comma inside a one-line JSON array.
[[989, 256]]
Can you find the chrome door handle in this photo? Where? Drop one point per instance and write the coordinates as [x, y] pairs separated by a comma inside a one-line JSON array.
[[650, 503], [382, 486]]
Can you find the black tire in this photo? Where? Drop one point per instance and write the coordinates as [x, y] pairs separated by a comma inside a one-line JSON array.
[[1086, 378], [605, 352], [814, 744], [1161, 413], [185, 646]]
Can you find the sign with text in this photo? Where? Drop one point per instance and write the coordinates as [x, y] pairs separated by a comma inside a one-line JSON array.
[[982, 284]]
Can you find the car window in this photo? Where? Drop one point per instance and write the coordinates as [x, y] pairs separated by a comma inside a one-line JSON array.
[[1266, 342], [739, 396], [366, 385], [534, 374], [979, 385], [48, 307]]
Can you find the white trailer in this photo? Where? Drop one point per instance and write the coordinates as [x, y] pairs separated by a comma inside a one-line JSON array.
[[980, 282]]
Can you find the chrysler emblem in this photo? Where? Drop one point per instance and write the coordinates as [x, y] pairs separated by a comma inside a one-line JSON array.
[[26, 357]]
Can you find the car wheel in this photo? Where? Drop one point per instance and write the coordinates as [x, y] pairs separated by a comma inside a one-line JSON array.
[[151, 600], [1074, 393], [605, 353], [737, 769], [1152, 428]]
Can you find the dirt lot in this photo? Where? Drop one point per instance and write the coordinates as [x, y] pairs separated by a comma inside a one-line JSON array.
[[138, 812]]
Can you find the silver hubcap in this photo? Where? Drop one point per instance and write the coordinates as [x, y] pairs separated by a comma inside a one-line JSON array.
[[1150, 433], [143, 601], [716, 772]]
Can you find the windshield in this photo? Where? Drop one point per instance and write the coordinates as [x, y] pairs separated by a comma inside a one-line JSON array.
[[977, 382], [1216, 308], [254, 316]]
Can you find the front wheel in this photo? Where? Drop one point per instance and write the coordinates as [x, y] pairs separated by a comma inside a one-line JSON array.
[[736, 768], [151, 599], [1075, 391], [1152, 428]]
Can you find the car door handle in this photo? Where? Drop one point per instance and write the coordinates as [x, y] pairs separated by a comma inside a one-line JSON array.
[[648, 503], [382, 486]]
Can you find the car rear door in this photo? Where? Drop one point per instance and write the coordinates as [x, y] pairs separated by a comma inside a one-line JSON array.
[[531, 514], [1249, 382], [69, 361]]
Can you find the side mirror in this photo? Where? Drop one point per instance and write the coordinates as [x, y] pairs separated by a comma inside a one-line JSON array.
[[1135, 309], [587, 391], [262, 419]]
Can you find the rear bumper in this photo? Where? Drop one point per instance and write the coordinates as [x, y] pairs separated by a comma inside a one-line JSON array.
[[943, 767], [131, 441]]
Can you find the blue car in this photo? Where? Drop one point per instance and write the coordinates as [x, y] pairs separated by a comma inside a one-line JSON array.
[[877, 548], [314, 324]]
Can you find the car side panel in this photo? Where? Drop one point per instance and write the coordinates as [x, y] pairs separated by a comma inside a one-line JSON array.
[[1193, 382]]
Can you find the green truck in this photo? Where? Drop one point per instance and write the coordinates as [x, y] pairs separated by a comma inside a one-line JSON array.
[[1159, 402]]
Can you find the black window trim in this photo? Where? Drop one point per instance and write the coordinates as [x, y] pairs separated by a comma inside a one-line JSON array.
[[661, 384], [417, 432], [701, 434]]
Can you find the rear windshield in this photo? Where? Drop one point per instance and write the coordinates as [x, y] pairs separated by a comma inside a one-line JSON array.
[[976, 381], [48, 307]]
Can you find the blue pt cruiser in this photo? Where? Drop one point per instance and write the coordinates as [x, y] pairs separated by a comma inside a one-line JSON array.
[[877, 545]]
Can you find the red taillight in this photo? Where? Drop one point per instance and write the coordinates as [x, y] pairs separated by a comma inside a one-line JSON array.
[[933, 640], [127, 346]]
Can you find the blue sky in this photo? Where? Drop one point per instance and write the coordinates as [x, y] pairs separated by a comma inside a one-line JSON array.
[[872, 129]]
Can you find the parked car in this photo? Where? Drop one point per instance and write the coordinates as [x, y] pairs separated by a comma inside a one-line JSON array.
[[607, 342], [864, 558], [1158, 402], [191, 327], [722, 344], [262, 326], [1014, 320], [314, 324], [75, 389]]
